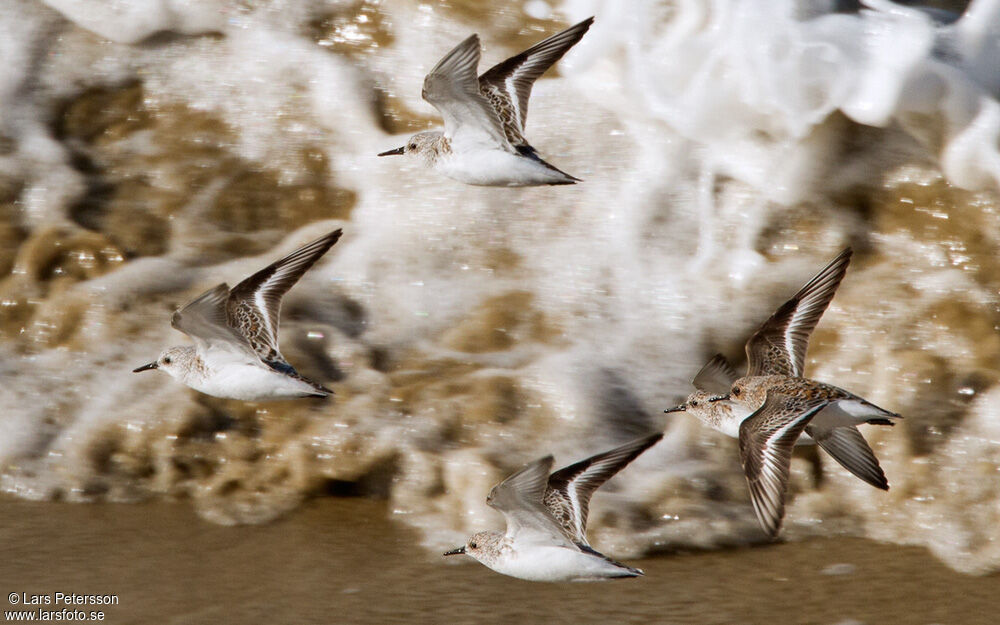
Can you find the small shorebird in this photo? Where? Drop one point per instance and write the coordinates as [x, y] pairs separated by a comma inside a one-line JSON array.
[[546, 538], [774, 408], [715, 379], [236, 335], [483, 140]]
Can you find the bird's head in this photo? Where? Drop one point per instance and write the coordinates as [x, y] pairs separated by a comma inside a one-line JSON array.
[[177, 361], [484, 547], [424, 144]]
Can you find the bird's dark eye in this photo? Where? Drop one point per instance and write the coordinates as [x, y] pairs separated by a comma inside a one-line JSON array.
[[736, 391], [694, 402], [472, 545], [166, 360], [412, 146]]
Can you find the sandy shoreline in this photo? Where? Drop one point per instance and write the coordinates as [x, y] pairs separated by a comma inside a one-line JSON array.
[[344, 561]]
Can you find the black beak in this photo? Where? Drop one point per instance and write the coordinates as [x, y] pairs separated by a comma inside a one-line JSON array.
[[455, 552], [680, 408], [394, 152], [718, 397], [151, 365]]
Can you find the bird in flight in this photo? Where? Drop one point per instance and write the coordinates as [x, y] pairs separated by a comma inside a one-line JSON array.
[[483, 141], [546, 537], [773, 408], [235, 333]]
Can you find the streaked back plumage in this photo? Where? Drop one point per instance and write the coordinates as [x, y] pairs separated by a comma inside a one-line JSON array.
[[779, 346], [568, 492]]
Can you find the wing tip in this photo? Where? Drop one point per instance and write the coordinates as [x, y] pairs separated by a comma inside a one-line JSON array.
[[640, 445], [880, 421], [836, 266], [630, 571], [579, 30], [584, 26], [770, 521], [326, 241], [458, 56], [321, 391], [466, 43], [706, 375], [655, 437]]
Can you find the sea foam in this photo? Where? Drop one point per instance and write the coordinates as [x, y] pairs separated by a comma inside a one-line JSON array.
[[728, 150]]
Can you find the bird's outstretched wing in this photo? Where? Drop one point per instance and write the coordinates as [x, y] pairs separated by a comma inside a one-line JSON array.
[[778, 347], [204, 320], [850, 449], [452, 87], [766, 441], [519, 498], [507, 85], [254, 305], [717, 376], [569, 490]]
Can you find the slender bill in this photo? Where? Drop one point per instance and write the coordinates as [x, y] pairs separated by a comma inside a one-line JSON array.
[[398, 150]]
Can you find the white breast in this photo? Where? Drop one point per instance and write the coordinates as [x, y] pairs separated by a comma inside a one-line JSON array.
[[495, 168], [554, 564], [249, 383]]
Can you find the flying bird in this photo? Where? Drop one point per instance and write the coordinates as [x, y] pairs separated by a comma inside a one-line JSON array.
[[774, 407], [483, 141], [546, 537], [235, 333]]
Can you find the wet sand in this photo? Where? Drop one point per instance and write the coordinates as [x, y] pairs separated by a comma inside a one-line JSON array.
[[344, 561]]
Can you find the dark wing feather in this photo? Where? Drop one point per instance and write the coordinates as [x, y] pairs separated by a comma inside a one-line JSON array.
[[254, 305], [778, 347], [570, 489], [717, 376], [850, 449], [526, 150], [453, 89], [766, 441], [507, 85], [627, 571]]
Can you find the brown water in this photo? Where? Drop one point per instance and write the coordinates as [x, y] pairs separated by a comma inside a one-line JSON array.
[[343, 561]]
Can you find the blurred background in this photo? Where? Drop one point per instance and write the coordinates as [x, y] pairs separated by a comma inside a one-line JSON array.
[[150, 149]]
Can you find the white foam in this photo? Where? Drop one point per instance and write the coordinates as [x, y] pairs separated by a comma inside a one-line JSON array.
[[695, 125], [131, 21], [751, 80]]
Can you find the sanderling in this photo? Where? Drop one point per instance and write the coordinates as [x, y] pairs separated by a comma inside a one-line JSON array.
[[546, 538], [773, 407], [714, 379], [843, 442], [483, 140], [236, 335]]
